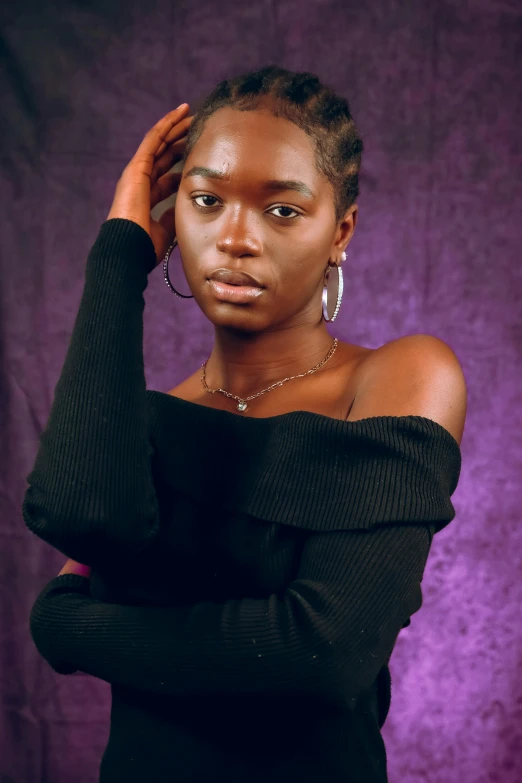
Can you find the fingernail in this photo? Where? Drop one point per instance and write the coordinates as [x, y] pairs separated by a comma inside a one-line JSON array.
[[180, 106]]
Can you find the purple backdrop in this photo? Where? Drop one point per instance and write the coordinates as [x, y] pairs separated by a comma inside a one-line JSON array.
[[435, 91]]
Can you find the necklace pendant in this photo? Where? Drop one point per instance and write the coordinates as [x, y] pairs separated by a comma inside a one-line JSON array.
[[242, 406]]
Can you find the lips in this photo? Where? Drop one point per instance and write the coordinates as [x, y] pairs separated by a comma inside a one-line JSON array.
[[232, 277]]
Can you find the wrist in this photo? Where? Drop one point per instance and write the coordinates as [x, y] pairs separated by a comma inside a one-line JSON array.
[[72, 567]]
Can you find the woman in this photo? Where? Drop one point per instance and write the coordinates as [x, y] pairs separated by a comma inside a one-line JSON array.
[[258, 536]]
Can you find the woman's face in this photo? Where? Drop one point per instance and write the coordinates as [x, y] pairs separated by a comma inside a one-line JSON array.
[[280, 235]]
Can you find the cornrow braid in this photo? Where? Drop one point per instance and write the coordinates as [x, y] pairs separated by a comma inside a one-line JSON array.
[[302, 99]]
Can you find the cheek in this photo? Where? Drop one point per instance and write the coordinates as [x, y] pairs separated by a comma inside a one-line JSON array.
[[303, 276], [189, 249], [181, 218], [296, 290], [193, 274]]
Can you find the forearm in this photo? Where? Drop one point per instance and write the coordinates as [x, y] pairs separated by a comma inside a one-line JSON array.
[[326, 639], [90, 492]]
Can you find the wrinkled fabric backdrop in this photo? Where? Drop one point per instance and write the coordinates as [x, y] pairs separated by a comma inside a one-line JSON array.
[[435, 89]]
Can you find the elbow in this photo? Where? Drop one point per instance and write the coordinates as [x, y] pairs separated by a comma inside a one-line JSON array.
[[40, 637], [341, 681], [353, 671], [92, 541]]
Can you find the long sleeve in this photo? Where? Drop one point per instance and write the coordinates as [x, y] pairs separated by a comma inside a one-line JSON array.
[[91, 493], [328, 634]]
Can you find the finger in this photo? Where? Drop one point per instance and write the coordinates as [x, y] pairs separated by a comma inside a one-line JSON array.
[[157, 167], [164, 187], [173, 137], [157, 134], [186, 122], [170, 157], [177, 132], [172, 125]]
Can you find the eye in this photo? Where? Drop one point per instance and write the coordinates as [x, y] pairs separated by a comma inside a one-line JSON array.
[[209, 206], [282, 206], [202, 195]]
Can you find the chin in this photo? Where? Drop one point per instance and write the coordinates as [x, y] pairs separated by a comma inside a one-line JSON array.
[[238, 318]]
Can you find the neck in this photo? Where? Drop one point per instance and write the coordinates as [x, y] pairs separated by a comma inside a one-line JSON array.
[[244, 364]]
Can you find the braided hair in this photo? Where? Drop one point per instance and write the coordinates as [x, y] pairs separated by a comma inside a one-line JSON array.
[[312, 106]]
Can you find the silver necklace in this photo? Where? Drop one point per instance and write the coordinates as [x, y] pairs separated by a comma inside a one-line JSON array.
[[242, 402]]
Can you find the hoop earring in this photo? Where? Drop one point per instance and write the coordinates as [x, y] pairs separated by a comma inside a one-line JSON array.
[[166, 272], [339, 293]]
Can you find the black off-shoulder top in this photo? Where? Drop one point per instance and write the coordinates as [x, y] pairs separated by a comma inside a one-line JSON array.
[[250, 576]]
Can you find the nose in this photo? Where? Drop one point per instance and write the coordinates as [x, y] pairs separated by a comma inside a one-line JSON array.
[[238, 236]]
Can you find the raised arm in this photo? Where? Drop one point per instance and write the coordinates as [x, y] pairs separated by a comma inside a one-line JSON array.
[[91, 489], [91, 493], [329, 634]]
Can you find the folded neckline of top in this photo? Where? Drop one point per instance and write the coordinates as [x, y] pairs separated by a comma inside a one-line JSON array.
[[292, 414]]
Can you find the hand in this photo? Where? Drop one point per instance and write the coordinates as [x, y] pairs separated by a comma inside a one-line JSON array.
[[144, 181], [72, 567]]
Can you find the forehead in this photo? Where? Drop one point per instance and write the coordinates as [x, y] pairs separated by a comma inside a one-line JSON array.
[[256, 136]]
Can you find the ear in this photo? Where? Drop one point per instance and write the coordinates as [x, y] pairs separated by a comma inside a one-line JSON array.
[[346, 228]]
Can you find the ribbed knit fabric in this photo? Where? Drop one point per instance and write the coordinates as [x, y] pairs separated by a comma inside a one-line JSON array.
[[250, 576], [91, 484]]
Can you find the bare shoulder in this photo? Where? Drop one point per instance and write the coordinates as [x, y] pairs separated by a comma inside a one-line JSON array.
[[423, 350], [415, 375]]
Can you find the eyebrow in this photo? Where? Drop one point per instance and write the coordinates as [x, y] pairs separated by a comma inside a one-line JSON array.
[[271, 184]]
